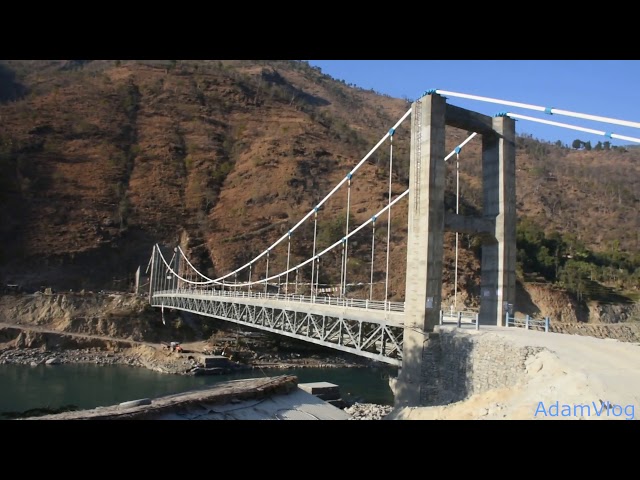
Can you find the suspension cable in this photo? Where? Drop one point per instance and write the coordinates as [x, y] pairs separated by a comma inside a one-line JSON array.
[[266, 284], [286, 282], [573, 127], [158, 282], [149, 264], [455, 281], [373, 245], [315, 229], [335, 189], [340, 291], [353, 232], [152, 277], [547, 110], [459, 147], [323, 252], [210, 280], [156, 247], [159, 269], [390, 135], [386, 281], [176, 280], [166, 283], [346, 241], [314, 210], [456, 151], [297, 267]]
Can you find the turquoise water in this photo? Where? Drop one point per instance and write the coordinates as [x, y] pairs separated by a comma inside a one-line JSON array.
[[24, 387]]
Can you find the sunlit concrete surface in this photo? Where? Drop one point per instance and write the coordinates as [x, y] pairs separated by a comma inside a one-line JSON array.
[[268, 398]]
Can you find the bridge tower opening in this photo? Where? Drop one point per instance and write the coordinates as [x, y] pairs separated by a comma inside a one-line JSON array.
[[428, 221]]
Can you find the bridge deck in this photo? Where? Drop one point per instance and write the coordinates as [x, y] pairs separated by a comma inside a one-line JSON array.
[[350, 308], [348, 325]]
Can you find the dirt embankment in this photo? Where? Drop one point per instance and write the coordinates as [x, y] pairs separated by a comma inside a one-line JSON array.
[[542, 300], [89, 328], [624, 332], [115, 316]]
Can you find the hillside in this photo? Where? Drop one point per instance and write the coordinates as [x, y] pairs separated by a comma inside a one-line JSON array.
[[101, 159]]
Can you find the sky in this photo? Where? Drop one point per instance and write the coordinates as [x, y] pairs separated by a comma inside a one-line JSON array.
[[605, 88]]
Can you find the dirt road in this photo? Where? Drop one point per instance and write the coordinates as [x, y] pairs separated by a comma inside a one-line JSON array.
[[572, 373]]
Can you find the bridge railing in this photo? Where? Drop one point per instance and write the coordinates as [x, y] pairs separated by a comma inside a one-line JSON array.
[[321, 300], [527, 322], [459, 318]]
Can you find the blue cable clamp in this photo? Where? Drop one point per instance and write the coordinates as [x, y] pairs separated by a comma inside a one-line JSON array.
[[548, 110]]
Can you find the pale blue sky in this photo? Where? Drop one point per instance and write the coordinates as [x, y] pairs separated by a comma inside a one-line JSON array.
[[607, 88]]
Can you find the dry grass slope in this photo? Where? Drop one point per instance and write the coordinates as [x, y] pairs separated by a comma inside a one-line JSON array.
[[102, 159]]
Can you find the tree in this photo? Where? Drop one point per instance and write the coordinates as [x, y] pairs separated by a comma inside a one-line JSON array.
[[587, 146], [575, 276], [577, 144], [598, 146]]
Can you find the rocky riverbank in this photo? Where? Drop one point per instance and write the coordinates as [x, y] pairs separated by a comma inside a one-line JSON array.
[[148, 357], [368, 411], [141, 356], [36, 356]]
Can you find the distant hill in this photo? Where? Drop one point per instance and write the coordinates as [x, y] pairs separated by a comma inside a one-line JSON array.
[[101, 159]]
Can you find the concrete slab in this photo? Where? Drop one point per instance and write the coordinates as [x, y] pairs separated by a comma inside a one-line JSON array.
[[297, 405], [269, 398], [213, 361], [322, 390]]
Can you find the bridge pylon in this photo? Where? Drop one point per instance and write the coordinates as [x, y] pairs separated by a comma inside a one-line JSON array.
[[428, 221]]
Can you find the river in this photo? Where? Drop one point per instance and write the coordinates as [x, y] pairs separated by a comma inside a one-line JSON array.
[[86, 386]]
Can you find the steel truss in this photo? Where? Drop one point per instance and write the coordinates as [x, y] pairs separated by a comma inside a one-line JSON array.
[[379, 340]]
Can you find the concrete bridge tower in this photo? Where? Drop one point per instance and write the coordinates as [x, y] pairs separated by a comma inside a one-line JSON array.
[[428, 221]]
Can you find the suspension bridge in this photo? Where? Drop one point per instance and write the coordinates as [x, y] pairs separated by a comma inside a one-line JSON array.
[[294, 303]]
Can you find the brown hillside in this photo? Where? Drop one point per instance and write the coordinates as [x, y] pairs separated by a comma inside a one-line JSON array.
[[99, 160]]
